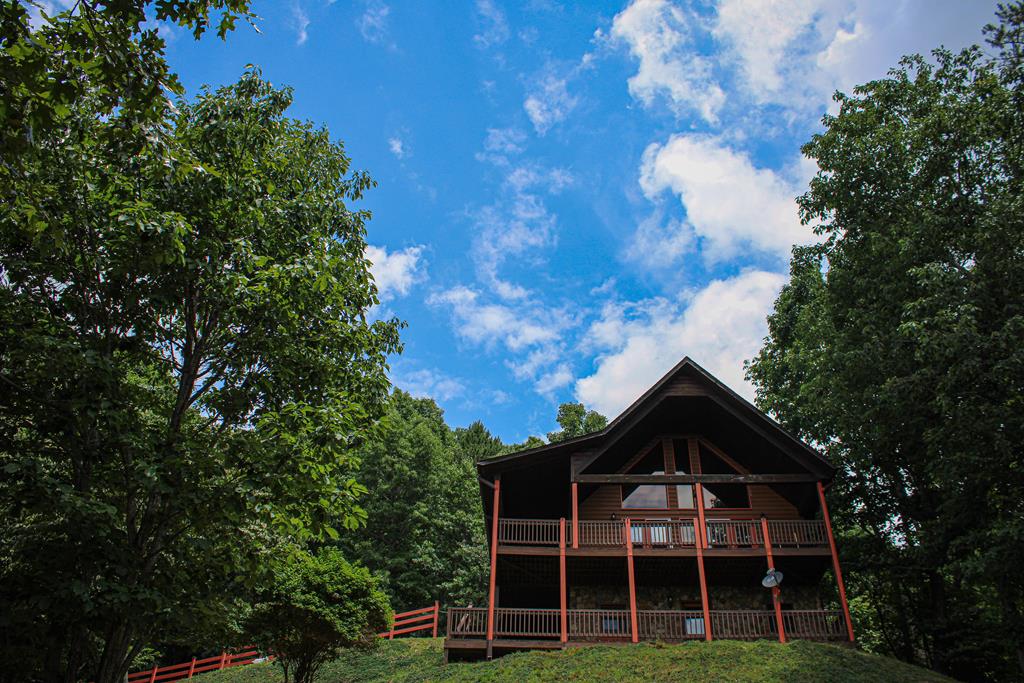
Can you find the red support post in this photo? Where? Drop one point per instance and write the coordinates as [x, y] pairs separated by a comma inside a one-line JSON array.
[[192, 667], [223, 658], [632, 583], [775, 591], [703, 531], [437, 611], [563, 616], [575, 516], [835, 561], [152, 676], [494, 557], [703, 583]]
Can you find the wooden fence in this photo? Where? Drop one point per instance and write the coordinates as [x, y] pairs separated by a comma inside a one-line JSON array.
[[176, 672], [414, 620]]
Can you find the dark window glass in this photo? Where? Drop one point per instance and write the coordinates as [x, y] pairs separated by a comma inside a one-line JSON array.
[[647, 495], [725, 496]]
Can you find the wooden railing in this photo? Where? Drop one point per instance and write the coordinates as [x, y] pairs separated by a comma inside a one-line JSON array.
[[741, 533], [614, 624], [412, 621], [743, 624], [599, 624], [670, 625], [526, 623], [177, 672], [797, 533], [467, 622], [664, 533], [814, 624], [528, 531]]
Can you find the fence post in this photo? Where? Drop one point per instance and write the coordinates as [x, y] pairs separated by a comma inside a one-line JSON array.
[[192, 667], [152, 676], [223, 658], [437, 611]]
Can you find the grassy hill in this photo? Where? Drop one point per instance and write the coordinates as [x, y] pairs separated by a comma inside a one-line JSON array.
[[420, 659]]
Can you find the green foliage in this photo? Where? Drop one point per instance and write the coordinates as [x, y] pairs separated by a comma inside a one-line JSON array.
[[316, 605], [424, 533], [187, 365], [420, 660], [896, 348], [575, 420]]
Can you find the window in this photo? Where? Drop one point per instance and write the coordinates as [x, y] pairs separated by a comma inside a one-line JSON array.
[[721, 495], [647, 496], [684, 492]]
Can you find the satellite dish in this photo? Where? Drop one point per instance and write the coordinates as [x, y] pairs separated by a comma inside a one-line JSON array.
[[772, 579]]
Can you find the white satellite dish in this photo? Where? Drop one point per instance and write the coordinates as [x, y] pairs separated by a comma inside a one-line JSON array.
[[772, 579]]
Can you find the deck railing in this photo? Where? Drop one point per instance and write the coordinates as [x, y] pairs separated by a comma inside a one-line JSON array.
[[735, 533], [186, 670], [814, 624], [743, 624], [615, 624], [797, 533], [670, 625], [664, 533]]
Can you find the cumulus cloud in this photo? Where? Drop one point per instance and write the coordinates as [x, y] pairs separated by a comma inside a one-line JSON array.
[[493, 25], [731, 204], [373, 23], [396, 272], [429, 384], [397, 147], [721, 326], [549, 102], [661, 36], [488, 324]]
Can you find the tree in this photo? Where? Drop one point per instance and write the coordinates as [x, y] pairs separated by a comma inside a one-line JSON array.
[[187, 366], [317, 604], [575, 420], [895, 347]]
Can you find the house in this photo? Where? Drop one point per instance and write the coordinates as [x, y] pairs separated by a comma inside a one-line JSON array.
[[662, 526]]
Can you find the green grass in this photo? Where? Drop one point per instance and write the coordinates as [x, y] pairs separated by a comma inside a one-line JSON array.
[[420, 659]]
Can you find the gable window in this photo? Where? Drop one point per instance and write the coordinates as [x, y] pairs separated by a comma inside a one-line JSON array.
[[647, 496], [721, 495], [684, 492]]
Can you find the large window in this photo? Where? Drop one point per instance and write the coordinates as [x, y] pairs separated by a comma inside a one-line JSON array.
[[647, 496], [721, 495], [684, 492]]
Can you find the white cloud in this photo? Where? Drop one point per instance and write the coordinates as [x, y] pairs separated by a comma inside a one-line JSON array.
[[373, 22], [493, 25], [731, 205], [487, 324], [549, 102], [430, 384], [300, 23], [661, 36], [659, 246], [395, 273], [397, 147], [721, 326], [550, 382]]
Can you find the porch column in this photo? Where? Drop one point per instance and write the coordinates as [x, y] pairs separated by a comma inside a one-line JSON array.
[[561, 579], [702, 532], [775, 590], [575, 517], [703, 581], [835, 561], [632, 583], [494, 560]]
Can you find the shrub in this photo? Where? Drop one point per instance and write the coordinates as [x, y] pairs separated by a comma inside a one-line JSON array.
[[318, 604]]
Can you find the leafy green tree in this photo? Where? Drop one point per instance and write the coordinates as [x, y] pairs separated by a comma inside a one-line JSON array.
[[316, 605], [575, 420], [896, 348], [424, 533], [187, 366], [476, 443]]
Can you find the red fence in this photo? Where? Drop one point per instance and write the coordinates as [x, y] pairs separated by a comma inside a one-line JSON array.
[[176, 672], [415, 620]]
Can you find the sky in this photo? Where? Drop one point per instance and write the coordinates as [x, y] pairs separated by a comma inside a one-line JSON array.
[[572, 197]]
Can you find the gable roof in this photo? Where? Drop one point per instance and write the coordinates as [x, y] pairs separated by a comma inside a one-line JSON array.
[[806, 456]]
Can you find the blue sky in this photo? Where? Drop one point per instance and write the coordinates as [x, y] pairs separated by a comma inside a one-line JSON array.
[[573, 197]]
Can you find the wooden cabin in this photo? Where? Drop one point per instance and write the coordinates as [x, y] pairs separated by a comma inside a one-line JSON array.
[[662, 526]]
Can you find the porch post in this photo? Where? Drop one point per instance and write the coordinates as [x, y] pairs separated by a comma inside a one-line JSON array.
[[632, 583], [835, 561], [494, 560], [703, 583], [775, 590], [575, 517], [703, 531], [561, 579]]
